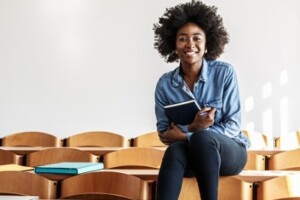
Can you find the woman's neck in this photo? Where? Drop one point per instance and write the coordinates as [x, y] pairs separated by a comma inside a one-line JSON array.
[[190, 74], [191, 71]]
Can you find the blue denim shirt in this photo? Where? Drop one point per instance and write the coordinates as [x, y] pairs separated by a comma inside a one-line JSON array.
[[216, 87]]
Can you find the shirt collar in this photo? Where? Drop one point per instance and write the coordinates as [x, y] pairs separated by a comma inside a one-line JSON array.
[[177, 78]]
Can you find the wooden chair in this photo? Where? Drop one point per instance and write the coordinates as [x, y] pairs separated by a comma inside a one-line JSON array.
[[282, 187], [7, 157], [54, 155], [289, 140], [105, 185], [27, 183], [134, 157], [31, 139], [148, 140], [255, 161], [229, 188], [258, 140], [97, 139], [287, 160]]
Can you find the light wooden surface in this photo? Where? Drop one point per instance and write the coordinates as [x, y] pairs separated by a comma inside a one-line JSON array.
[[145, 174], [289, 160], [255, 161], [283, 187], [229, 188], [14, 197], [150, 139], [250, 176], [31, 139], [135, 157], [15, 167], [97, 139], [25, 183], [267, 151], [55, 155], [7, 157], [104, 150], [99, 151], [108, 185]]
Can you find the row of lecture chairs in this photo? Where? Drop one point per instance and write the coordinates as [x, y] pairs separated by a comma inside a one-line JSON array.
[[98, 183], [134, 158], [110, 139], [290, 140], [120, 186], [108, 185], [289, 159], [91, 139], [244, 187]]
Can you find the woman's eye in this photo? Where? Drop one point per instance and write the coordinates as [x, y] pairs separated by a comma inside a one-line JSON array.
[[197, 38], [182, 39]]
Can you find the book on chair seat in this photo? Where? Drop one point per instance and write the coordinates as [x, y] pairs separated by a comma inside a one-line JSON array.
[[182, 113], [68, 168]]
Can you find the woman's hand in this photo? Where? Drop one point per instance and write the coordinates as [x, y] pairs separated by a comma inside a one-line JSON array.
[[173, 134], [203, 119]]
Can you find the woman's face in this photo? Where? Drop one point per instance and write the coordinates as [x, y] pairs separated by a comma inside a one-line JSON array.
[[190, 44]]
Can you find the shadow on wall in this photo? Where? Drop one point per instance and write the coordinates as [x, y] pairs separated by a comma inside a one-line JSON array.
[[274, 110]]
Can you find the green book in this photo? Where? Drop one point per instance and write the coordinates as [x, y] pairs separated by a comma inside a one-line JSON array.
[[68, 168]]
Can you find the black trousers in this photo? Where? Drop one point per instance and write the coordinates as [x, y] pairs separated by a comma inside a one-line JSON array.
[[207, 156]]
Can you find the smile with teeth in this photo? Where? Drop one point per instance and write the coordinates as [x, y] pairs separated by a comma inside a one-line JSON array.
[[190, 53]]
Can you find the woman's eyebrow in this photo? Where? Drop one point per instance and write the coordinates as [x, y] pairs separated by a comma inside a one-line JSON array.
[[184, 34]]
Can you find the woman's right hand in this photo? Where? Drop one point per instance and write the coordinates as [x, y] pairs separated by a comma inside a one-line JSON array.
[[172, 134], [203, 119]]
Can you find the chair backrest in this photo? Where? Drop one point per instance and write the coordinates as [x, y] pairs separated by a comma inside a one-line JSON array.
[[258, 140], [148, 140], [31, 139], [97, 139], [229, 188], [7, 157], [55, 155], [105, 185], [134, 157], [287, 160], [289, 140], [282, 187], [27, 183], [255, 161]]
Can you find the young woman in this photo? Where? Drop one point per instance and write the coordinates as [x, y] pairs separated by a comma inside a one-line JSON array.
[[212, 144]]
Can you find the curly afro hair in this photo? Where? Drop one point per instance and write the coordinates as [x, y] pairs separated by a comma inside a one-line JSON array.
[[204, 16]]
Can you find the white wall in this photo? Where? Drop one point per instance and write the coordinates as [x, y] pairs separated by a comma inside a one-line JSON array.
[[68, 66]]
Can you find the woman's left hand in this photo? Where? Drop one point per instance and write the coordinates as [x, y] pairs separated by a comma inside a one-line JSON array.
[[203, 119]]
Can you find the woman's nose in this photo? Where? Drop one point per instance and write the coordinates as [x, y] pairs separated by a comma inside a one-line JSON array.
[[190, 42]]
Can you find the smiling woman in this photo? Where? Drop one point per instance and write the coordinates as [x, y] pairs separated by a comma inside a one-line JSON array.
[[193, 33]]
